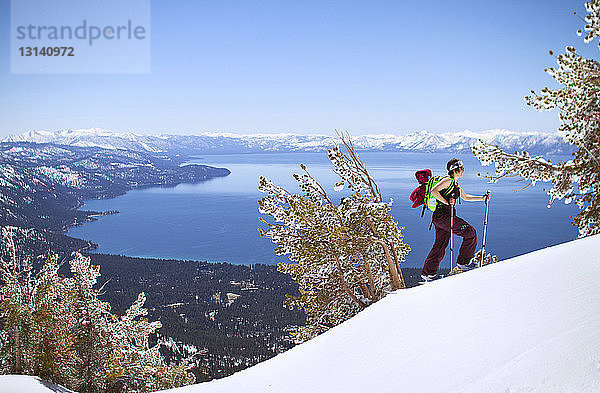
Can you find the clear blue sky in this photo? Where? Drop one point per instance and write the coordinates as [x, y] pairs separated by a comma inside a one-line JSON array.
[[313, 66]]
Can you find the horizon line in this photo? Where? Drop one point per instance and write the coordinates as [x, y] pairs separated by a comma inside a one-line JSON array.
[[269, 134]]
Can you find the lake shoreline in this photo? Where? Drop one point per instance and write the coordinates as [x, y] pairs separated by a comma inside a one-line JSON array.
[[93, 215]]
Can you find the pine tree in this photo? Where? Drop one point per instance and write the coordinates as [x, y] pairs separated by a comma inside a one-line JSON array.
[[134, 365], [578, 101], [58, 328], [90, 319], [344, 256], [16, 313], [52, 350], [35, 330]]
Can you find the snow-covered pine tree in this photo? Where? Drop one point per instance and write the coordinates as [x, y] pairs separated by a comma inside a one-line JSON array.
[[578, 101], [16, 314], [344, 256], [90, 319], [58, 328], [54, 356], [135, 365], [34, 318]]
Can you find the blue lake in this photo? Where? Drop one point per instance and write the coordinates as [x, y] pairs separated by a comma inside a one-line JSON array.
[[217, 220]]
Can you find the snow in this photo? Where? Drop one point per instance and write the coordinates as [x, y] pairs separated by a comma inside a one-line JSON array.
[[528, 324], [28, 384], [418, 140], [62, 175]]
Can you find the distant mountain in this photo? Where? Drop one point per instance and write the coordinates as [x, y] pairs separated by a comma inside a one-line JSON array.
[[422, 141]]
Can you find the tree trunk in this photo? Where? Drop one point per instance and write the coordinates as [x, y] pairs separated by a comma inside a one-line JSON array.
[[394, 277], [403, 284], [345, 285], [18, 354], [349, 292], [371, 282], [365, 290]]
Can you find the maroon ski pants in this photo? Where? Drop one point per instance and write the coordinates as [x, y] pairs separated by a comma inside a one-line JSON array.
[[441, 221]]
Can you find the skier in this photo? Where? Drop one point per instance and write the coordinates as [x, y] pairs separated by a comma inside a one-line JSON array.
[[446, 192]]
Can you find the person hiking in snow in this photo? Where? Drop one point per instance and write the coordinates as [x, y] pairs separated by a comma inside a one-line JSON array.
[[446, 192]]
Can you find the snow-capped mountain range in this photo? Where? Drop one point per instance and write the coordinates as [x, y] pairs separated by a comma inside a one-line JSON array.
[[424, 141]]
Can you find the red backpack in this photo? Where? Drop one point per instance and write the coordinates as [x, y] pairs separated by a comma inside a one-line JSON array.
[[422, 194], [418, 195]]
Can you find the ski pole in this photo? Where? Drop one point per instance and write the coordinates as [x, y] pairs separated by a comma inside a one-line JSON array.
[[484, 228], [451, 233]]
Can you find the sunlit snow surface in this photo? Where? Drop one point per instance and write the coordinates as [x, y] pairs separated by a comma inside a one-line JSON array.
[[528, 324], [28, 384]]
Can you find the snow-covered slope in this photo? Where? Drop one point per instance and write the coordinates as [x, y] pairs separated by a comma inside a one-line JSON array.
[[528, 324], [535, 142], [28, 384]]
